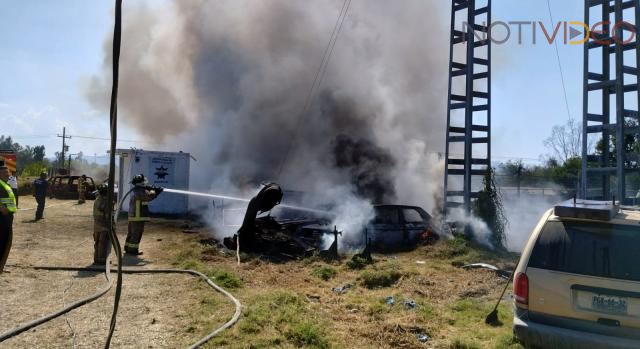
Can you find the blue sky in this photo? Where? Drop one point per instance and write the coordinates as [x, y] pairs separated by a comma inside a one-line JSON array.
[[49, 48]]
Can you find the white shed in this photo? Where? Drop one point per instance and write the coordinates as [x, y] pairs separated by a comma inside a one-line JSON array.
[[165, 169]]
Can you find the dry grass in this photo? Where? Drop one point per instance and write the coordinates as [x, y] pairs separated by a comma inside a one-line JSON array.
[[293, 305], [288, 305]]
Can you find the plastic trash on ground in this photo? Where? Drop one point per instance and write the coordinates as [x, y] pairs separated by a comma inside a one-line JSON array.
[[421, 337], [341, 290], [410, 304], [389, 300]]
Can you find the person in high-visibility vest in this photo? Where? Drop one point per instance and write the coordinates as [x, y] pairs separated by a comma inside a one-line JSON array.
[[141, 195], [8, 208]]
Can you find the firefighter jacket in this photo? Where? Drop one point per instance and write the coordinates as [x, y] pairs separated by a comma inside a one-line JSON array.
[[7, 198], [100, 211], [139, 204], [82, 185]]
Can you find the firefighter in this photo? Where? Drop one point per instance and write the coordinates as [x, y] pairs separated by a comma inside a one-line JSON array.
[[8, 208], [139, 212], [82, 189], [101, 236]]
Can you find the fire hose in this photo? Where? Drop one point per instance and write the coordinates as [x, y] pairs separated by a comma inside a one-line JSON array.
[[91, 298], [199, 343]]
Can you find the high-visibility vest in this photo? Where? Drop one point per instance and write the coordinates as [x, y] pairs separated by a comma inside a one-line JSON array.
[[10, 201], [139, 209]]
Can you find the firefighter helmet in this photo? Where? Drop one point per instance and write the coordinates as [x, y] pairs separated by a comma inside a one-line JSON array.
[[138, 179], [102, 189]]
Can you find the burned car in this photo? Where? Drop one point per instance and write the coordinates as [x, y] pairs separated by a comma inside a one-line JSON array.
[[399, 227], [299, 231], [65, 187], [284, 237]]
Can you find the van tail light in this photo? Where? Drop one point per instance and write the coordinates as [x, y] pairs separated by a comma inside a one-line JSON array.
[[521, 289]]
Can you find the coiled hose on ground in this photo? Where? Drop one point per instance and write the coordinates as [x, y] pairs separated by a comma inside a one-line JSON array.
[[42, 320], [16, 331]]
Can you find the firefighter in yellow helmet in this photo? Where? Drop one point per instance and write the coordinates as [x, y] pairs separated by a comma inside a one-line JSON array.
[[141, 195], [101, 237], [8, 208]]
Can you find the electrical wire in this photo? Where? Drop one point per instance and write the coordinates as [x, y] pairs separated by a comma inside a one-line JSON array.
[[564, 88], [319, 77], [108, 139]]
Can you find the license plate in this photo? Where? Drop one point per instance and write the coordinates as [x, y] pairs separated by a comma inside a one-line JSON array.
[[609, 304]]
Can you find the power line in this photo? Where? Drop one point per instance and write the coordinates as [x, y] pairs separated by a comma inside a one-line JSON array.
[[84, 137], [564, 88], [317, 80], [119, 140]]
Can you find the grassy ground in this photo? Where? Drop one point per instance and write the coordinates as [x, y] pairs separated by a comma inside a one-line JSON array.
[[294, 304], [286, 305]]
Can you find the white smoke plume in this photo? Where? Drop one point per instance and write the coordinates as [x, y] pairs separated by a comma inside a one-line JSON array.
[[227, 80], [525, 211]]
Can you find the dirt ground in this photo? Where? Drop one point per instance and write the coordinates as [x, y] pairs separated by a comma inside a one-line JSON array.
[[154, 309]]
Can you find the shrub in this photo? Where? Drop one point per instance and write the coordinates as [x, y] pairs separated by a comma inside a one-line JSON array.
[[324, 272], [379, 278], [308, 335], [358, 262]]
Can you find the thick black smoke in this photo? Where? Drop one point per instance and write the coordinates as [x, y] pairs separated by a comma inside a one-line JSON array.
[[227, 80], [368, 165]]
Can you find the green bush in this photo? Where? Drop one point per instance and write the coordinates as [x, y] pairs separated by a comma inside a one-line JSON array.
[[357, 262], [306, 334], [379, 278], [324, 272], [225, 279], [456, 247]]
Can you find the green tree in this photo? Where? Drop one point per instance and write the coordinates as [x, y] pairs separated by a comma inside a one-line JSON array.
[[38, 153], [631, 145], [25, 155]]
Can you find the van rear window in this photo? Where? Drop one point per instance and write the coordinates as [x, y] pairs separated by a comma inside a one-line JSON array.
[[595, 249]]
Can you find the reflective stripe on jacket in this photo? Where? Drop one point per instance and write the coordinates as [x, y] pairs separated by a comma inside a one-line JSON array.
[[10, 201], [140, 212]]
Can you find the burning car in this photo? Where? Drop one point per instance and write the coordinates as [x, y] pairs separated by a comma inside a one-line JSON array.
[[397, 227], [288, 237], [300, 232]]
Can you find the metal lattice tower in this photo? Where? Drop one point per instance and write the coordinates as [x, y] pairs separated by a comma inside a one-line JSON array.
[[468, 148], [611, 70]]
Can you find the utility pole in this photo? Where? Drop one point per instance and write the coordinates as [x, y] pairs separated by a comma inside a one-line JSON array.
[[519, 175], [64, 145], [70, 155]]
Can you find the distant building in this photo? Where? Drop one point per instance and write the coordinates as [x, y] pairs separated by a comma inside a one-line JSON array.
[[165, 169]]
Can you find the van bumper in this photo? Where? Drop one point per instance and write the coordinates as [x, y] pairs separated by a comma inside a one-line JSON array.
[[535, 335]]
